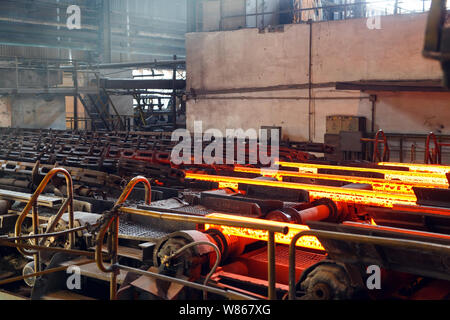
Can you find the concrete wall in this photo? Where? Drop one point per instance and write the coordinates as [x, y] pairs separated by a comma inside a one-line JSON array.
[[247, 79], [34, 112], [347, 50], [5, 111]]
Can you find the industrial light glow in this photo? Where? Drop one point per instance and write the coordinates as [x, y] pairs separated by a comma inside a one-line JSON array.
[[418, 167], [310, 242], [383, 185], [436, 179]]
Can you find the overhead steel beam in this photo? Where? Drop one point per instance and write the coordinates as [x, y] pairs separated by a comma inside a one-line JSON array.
[[53, 91], [137, 65], [380, 85], [141, 84]]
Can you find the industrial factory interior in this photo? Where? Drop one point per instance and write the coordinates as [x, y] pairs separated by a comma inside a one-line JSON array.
[[243, 153]]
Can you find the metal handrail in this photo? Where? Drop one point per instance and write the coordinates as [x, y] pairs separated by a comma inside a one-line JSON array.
[[15, 242], [68, 204], [434, 156], [393, 242], [376, 157], [113, 225], [41, 273], [8, 243], [263, 225], [271, 229]]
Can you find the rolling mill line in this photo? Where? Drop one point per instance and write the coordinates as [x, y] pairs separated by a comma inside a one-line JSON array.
[[236, 232], [232, 215]]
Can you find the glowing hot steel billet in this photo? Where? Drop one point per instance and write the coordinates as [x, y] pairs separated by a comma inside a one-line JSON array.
[[419, 167], [337, 194], [436, 179], [392, 186]]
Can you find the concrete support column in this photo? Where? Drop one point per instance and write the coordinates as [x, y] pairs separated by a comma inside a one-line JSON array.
[[105, 31]]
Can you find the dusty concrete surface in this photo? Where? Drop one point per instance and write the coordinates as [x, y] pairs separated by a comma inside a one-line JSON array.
[[264, 63], [30, 111], [5, 111], [347, 50], [28, 78]]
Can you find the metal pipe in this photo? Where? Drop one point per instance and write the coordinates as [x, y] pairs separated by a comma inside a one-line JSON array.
[[45, 235], [317, 213], [126, 192], [39, 190], [35, 222], [203, 97], [310, 106], [292, 265], [98, 249], [114, 259], [271, 266], [228, 294], [114, 223], [43, 248], [216, 263], [231, 221], [137, 65], [41, 273], [373, 99]]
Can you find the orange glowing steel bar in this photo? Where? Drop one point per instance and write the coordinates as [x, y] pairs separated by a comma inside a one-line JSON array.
[[399, 230], [310, 242], [436, 179], [418, 167], [366, 197], [377, 184]]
